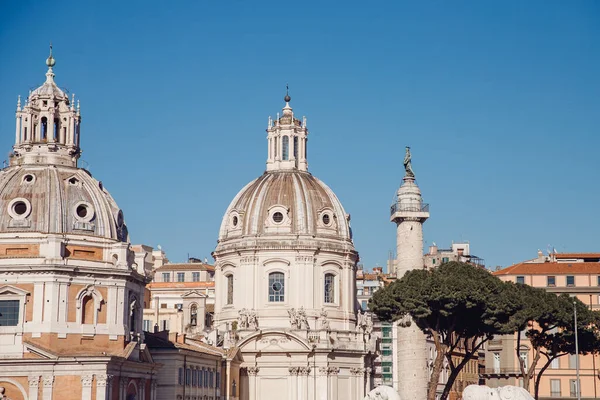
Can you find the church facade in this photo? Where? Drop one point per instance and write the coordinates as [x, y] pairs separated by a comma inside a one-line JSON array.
[[285, 268]]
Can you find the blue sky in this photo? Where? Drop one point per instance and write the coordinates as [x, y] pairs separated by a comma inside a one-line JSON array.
[[500, 102]]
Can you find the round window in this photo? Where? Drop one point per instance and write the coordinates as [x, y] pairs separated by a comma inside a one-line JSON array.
[[277, 217], [326, 219], [82, 211], [235, 220], [28, 178], [20, 208], [277, 286]]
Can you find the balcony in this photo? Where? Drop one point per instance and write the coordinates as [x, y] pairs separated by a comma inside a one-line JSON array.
[[501, 372], [397, 207]]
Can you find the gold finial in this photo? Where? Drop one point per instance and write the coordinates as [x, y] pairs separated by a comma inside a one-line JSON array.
[[50, 61]]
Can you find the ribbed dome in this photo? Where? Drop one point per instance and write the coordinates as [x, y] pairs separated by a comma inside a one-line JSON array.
[[286, 202], [51, 90], [56, 199]]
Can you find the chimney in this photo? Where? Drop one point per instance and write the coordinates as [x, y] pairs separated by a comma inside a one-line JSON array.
[[433, 249]]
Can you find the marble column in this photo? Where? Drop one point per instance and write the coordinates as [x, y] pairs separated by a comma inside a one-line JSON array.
[[293, 395], [34, 383], [333, 372], [48, 385], [303, 373], [103, 385], [322, 384], [86, 387], [252, 389], [358, 383]]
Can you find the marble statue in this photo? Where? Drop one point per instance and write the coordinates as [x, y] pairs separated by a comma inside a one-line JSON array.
[[242, 318], [364, 322], [476, 392], [407, 164], [252, 320], [323, 319], [382, 393]]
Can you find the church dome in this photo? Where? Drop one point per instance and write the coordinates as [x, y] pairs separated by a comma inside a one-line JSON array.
[[286, 202], [57, 199]]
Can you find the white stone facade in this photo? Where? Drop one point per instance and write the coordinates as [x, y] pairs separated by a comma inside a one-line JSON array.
[[285, 269]]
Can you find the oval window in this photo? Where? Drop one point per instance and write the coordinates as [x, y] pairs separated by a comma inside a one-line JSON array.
[[20, 208], [326, 219], [82, 211], [235, 221]]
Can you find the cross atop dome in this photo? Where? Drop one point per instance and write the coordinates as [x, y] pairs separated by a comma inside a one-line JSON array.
[[287, 137], [47, 126]]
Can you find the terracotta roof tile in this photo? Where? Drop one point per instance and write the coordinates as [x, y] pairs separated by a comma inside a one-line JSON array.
[[180, 285], [551, 268], [576, 255], [186, 267]]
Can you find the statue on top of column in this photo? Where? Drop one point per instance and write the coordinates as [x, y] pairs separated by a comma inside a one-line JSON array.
[[407, 164]]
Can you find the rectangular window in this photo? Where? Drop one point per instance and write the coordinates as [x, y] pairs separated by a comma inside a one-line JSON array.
[[555, 364], [497, 363], [570, 280], [196, 276], [551, 281], [521, 280], [525, 357], [9, 312], [147, 323], [166, 277], [164, 324], [205, 372], [163, 305], [181, 277], [229, 289], [363, 305], [276, 287], [445, 260], [573, 387], [329, 288], [572, 361], [218, 375], [598, 277], [180, 376], [199, 372], [194, 376], [554, 387], [188, 377]]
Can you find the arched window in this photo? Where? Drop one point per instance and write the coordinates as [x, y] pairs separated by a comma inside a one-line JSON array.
[[56, 128], [88, 311], [133, 313], [285, 144], [276, 287], [44, 128], [229, 289], [296, 147], [193, 315], [329, 288]]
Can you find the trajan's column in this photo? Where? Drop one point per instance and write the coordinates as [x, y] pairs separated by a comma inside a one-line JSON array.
[[409, 213]]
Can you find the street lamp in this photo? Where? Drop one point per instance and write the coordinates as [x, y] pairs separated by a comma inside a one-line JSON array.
[[576, 351]]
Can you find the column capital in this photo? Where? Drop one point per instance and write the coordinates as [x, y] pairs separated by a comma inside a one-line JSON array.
[[305, 371], [294, 370], [103, 380], [48, 380], [123, 381], [34, 381], [253, 371], [357, 371], [86, 380]]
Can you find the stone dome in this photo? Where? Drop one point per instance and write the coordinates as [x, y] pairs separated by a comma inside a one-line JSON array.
[[57, 199], [286, 202], [49, 90]]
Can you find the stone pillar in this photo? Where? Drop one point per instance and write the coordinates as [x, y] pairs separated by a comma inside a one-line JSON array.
[[123, 387], [293, 395], [358, 383], [142, 389], [153, 389], [86, 387], [322, 389], [48, 385], [103, 386], [252, 389], [333, 381], [34, 383], [304, 373]]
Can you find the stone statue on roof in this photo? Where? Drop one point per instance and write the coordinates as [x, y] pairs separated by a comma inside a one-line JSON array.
[[407, 164]]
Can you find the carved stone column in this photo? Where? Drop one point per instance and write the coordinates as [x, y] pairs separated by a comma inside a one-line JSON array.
[[252, 372], [47, 390], [103, 386], [123, 387], [358, 378], [153, 389], [86, 387], [333, 381], [322, 377], [303, 373], [293, 395], [142, 389], [34, 383]]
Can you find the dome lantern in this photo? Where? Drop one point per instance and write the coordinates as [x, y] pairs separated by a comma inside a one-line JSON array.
[[47, 127], [287, 138]]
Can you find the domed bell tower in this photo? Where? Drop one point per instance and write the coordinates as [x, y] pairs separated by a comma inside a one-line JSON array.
[[47, 126], [409, 213]]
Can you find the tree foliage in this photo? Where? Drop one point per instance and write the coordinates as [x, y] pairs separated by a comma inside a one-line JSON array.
[[458, 304]]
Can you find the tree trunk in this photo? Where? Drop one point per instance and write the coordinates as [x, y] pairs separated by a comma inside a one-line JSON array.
[[437, 366], [539, 376], [456, 370]]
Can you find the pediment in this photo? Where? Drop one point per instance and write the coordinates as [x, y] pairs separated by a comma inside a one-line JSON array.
[[274, 341], [8, 290], [193, 293]]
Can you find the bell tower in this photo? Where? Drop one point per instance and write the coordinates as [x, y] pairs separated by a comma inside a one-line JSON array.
[[47, 126], [409, 213]]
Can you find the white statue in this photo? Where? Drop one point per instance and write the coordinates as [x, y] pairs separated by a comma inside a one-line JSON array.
[[252, 320], [293, 318], [324, 320], [242, 318], [476, 392], [382, 393], [302, 318]]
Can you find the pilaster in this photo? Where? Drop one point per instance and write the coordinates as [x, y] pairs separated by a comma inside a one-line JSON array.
[[103, 386], [86, 387], [252, 386], [48, 386], [293, 384], [34, 383]]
